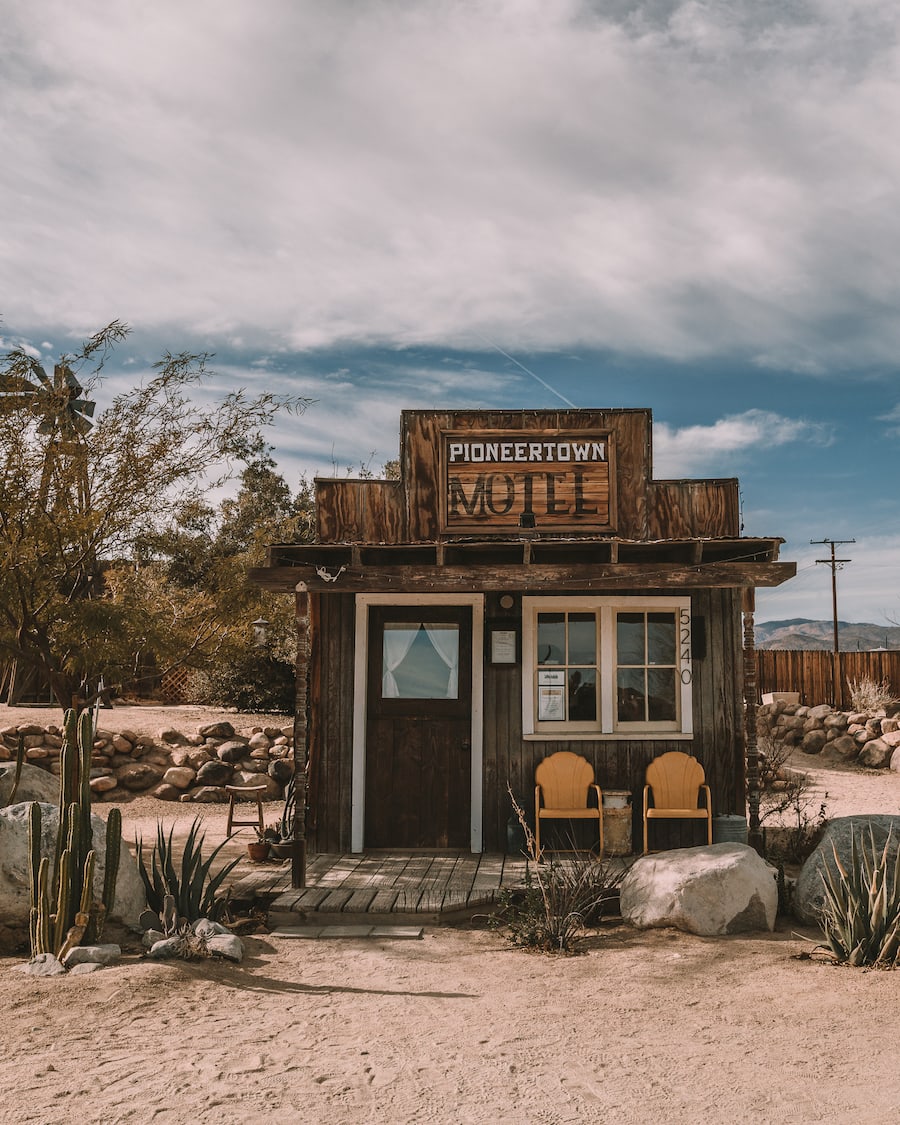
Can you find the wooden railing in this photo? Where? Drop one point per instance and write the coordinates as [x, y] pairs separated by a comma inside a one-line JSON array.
[[811, 672]]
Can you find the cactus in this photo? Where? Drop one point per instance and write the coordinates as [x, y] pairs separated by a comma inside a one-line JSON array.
[[63, 909], [20, 761]]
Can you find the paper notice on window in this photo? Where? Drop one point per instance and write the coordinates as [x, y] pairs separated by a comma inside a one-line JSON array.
[[551, 703]]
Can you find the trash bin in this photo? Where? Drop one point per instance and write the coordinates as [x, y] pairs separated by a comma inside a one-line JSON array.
[[617, 822], [729, 829]]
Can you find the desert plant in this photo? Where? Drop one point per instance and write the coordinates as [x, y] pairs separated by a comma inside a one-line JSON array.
[[861, 912], [20, 762], [283, 829], [560, 898], [63, 910], [870, 696], [189, 945], [787, 806], [194, 889]]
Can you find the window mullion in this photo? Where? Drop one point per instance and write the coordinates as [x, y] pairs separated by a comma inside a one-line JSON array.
[[607, 669]]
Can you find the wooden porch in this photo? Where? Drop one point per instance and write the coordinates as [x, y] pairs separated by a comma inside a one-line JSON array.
[[420, 887]]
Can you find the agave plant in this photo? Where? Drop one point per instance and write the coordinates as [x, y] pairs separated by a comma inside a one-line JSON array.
[[192, 886], [861, 911]]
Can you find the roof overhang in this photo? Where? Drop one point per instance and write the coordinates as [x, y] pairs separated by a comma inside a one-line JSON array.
[[528, 564]]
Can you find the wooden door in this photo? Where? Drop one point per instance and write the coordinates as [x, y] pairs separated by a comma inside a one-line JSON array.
[[418, 727]]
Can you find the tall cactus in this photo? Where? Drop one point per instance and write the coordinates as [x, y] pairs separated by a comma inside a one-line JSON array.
[[63, 909]]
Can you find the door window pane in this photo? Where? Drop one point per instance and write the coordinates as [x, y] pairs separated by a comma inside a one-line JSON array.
[[420, 660]]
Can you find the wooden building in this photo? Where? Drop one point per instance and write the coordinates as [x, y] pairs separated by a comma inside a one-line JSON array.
[[525, 586]]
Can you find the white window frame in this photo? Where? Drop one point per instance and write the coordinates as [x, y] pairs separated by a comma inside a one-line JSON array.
[[606, 727]]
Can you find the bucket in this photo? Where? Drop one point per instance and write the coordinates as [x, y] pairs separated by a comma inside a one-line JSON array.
[[729, 829]]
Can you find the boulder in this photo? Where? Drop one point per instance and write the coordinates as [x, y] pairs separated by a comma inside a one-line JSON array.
[[92, 955], [206, 795], [712, 890], [217, 730], [810, 894], [813, 741], [34, 784], [844, 745], [232, 751], [166, 792], [15, 865], [876, 754], [214, 773], [181, 777], [281, 770], [171, 737], [138, 776]]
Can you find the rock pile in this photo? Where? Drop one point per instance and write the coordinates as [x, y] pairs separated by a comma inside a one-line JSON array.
[[871, 740], [172, 766]]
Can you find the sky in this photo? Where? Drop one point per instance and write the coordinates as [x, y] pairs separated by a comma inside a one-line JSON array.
[[686, 206]]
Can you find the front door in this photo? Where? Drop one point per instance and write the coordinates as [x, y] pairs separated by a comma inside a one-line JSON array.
[[418, 727]]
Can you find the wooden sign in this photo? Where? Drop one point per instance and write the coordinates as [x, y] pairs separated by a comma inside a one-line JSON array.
[[502, 480]]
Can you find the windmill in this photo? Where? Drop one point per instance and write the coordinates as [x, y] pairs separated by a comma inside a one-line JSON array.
[[65, 415], [57, 401]]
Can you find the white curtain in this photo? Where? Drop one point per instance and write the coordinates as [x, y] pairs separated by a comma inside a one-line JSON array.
[[445, 641], [397, 643]]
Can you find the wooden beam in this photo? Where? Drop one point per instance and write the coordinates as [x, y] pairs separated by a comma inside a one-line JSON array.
[[580, 576]]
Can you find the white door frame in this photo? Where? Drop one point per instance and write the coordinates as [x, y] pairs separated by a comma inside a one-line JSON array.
[[360, 674]]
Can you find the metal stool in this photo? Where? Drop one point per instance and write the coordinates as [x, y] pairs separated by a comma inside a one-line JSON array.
[[234, 791]]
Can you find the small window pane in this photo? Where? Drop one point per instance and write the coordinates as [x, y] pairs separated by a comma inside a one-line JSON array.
[[583, 695], [630, 695], [661, 695], [660, 638], [630, 638], [582, 638], [551, 638], [420, 660]]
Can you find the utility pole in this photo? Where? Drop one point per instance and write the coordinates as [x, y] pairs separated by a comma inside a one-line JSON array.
[[835, 565]]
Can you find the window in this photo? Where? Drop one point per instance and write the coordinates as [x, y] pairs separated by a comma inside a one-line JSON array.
[[598, 666], [420, 660], [567, 667]]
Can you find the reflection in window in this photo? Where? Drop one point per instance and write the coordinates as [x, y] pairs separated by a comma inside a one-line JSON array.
[[646, 674], [567, 641], [420, 660]]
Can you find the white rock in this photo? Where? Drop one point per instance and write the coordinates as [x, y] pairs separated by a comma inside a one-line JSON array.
[[712, 890], [15, 865], [44, 965], [34, 784], [92, 955], [226, 945]]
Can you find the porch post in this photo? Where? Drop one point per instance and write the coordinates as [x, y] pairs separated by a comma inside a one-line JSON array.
[[751, 751], [301, 737]]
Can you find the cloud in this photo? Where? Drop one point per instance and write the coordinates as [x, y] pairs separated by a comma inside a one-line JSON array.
[[696, 449], [867, 586], [669, 178], [892, 417]]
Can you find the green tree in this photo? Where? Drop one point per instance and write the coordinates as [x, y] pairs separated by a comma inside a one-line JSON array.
[[84, 507]]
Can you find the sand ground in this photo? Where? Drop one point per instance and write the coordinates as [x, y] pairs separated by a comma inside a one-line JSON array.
[[461, 1027]]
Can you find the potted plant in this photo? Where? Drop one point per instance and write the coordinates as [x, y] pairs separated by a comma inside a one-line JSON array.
[[281, 835], [258, 849]]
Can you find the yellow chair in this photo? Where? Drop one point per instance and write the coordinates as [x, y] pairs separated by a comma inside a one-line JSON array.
[[675, 781], [563, 783]]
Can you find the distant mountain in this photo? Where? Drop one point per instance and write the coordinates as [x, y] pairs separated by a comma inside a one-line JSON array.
[[801, 633]]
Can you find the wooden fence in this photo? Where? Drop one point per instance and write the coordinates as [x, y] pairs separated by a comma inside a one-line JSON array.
[[812, 672]]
